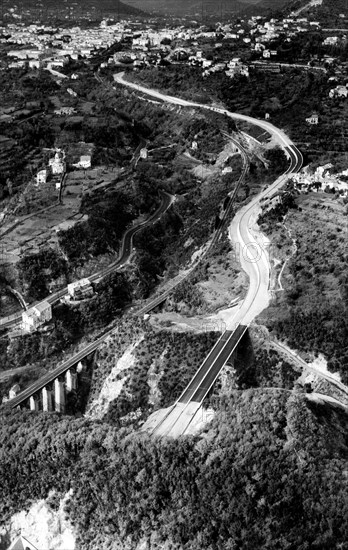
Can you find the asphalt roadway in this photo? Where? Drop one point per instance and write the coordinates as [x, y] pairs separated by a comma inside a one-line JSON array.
[[254, 260], [126, 250]]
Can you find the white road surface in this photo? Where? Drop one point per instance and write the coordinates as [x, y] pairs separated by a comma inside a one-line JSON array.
[[250, 245]]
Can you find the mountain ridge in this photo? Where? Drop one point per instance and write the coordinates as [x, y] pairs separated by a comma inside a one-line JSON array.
[[208, 7], [72, 8]]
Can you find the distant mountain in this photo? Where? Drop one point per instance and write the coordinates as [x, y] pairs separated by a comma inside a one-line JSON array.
[[72, 7], [332, 13], [328, 11], [199, 8], [196, 8]]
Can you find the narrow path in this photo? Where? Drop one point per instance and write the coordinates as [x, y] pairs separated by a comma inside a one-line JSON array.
[[294, 250]]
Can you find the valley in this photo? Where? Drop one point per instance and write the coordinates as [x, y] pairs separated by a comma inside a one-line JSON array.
[[173, 276]]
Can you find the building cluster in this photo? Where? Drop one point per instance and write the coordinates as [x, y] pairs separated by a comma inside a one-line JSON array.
[[339, 91], [36, 316], [185, 44], [56, 168], [47, 47], [42, 46], [80, 290], [322, 179]]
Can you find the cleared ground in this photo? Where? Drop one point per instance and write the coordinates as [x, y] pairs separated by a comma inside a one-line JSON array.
[[27, 233]]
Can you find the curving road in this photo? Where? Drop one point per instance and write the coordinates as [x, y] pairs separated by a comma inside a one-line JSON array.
[[253, 256], [167, 201], [254, 260], [126, 249], [248, 243], [179, 279]]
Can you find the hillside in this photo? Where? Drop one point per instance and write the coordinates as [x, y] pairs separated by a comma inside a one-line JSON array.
[[76, 9], [194, 8], [328, 13], [206, 8], [201, 9], [254, 479], [311, 315]]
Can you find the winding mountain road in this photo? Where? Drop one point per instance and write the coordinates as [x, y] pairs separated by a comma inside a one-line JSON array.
[[251, 247], [126, 249], [248, 242], [254, 260], [125, 252]]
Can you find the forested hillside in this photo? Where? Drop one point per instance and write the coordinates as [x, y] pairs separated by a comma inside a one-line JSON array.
[[289, 96], [312, 313], [268, 473]]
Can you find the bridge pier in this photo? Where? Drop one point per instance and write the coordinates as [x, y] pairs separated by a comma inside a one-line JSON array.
[[34, 403], [47, 404], [80, 366], [59, 396], [71, 380]]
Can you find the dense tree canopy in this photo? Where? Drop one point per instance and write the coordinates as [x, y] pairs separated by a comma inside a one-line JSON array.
[[266, 474]]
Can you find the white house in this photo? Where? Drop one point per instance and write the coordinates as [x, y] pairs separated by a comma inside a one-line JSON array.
[[78, 290], [34, 64], [41, 176], [56, 164], [235, 62], [313, 119], [65, 111], [339, 91], [36, 316], [84, 162], [330, 40]]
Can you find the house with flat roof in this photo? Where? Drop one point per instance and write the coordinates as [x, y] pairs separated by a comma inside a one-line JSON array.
[[41, 177], [84, 162], [313, 119], [36, 316], [80, 290]]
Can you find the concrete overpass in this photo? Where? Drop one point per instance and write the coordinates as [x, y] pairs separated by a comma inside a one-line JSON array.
[[46, 390]]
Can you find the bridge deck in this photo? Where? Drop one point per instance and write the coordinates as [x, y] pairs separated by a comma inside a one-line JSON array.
[[211, 366], [213, 373]]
